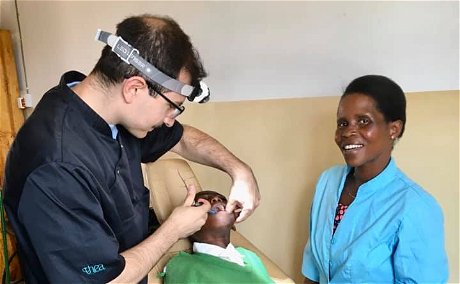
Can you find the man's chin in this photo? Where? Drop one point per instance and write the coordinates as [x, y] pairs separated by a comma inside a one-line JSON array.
[[139, 133]]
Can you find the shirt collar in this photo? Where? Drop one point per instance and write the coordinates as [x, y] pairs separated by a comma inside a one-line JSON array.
[[229, 253], [380, 180], [114, 130], [90, 115]]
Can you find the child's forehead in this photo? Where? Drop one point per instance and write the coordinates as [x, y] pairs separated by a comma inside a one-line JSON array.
[[209, 193]]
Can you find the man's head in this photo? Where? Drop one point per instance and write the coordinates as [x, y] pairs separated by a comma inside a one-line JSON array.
[[160, 41], [217, 228], [146, 104]]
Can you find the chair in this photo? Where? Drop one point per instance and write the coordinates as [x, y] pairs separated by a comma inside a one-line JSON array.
[[167, 191]]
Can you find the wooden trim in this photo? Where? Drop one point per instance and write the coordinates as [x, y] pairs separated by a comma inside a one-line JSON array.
[[11, 119]]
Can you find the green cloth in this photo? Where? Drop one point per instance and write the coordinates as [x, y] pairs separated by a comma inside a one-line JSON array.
[[205, 268]]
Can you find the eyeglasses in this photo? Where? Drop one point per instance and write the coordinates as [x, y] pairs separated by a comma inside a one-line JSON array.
[[177, 108]]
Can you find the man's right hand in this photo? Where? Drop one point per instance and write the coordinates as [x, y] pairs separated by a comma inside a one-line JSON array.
[[183, 221], [188, 219]]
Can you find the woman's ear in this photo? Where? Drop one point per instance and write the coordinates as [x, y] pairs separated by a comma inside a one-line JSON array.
[[395, 129], [131, 87]]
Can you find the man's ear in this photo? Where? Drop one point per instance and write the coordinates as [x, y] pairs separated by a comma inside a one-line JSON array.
[[131, 87]]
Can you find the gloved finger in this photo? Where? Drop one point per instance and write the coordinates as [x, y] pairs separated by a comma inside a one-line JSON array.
[[244, 214], [206, 205], [232, 205]]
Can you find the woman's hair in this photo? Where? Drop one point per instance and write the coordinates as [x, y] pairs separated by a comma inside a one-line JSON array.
[[389, 97], [160, 41]]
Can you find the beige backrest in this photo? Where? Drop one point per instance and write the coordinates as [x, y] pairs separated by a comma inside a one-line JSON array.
[[168, 191]]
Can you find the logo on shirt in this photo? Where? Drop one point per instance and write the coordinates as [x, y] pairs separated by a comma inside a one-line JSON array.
[[93, 269]]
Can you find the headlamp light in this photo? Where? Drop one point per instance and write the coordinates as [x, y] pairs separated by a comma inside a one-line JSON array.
[[197, 93], [200, 93]]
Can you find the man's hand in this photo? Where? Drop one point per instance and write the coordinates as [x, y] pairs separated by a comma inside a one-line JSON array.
[[187, 219], [183, 221], [201, 148], [244, 196]]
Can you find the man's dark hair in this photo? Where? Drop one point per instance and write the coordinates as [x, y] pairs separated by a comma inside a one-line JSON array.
[[160, 41], [389, 97]]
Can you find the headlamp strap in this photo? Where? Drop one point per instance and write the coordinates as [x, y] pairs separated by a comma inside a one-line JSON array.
[[131, 56]]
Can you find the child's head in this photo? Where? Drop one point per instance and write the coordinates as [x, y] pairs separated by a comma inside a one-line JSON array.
[[219, 222]]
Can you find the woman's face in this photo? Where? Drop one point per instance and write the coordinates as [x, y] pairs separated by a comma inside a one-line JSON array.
[[363, 135]]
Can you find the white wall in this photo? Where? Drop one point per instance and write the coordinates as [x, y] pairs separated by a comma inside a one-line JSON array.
[[8, 21], [262, 50]]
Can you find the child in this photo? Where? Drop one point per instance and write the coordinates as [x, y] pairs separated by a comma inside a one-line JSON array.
[[214, 258]]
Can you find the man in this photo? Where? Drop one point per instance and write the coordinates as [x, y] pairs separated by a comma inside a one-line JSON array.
[[74, 191], [214, 258]]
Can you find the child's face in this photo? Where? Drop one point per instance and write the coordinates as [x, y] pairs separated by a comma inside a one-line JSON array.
[[217, 216]]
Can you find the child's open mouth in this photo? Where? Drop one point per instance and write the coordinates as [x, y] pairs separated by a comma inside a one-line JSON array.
[[216, 208]]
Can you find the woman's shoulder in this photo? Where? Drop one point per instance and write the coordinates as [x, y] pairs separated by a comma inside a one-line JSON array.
[[334, 173], [336, 170], [416, 198], [331, 177]]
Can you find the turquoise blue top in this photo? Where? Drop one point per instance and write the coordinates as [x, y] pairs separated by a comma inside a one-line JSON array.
[[393, 232]]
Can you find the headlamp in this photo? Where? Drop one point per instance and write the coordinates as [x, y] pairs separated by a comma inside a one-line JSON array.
[[197, 93]]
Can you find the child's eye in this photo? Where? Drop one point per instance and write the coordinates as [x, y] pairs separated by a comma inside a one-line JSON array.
[[364, 121]]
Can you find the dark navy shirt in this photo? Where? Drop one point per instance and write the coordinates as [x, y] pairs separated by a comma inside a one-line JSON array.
[[75, 196]]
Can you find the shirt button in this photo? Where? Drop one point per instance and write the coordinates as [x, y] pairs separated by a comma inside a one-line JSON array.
[[121, 145], [118, 171], [333, 241]]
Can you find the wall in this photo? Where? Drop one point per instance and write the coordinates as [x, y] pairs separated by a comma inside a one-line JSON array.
[[276, 70], [290, 142], [8, 21], [261, 49]]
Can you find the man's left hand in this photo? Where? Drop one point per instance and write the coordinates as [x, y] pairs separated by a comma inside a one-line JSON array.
[[244, 196]]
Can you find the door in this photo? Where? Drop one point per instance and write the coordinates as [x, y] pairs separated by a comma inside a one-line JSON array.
[[11, 119]]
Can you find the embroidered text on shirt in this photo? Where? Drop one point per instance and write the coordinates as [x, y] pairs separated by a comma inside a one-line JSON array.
[[92, 269]]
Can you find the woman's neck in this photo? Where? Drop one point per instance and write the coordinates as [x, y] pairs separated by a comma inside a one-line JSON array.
[[362, 174]]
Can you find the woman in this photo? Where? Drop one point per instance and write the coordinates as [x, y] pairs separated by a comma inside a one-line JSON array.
[[369, 222]]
